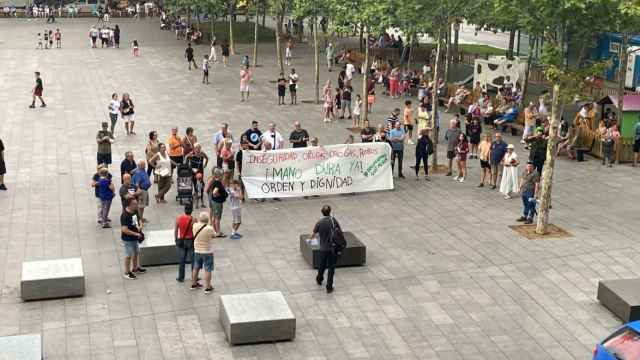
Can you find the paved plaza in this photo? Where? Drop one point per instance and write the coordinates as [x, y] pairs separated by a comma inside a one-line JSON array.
[[445, 277]]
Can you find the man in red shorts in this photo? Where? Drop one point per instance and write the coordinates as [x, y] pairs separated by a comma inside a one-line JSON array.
[[37, 92]]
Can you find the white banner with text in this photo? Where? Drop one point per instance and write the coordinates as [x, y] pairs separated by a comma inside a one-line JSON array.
[[320, 170]]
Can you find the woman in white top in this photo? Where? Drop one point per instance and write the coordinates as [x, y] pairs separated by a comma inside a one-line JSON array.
[[114, 110], [212, 55], [162, 164], [509, 182]]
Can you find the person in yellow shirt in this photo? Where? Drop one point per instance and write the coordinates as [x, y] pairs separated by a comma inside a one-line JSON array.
[[175, 149]]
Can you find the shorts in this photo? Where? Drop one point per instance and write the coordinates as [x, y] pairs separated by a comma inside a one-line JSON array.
[[143, 200], [292, 88], [177, 160], [37, 92], [408, 127], [236, 215], [203, 261], [636, 146], [131, 248], [104, 159], [451, 155], [216, 209], [127, 118], [205, 72], [484, 164], [244, 87]]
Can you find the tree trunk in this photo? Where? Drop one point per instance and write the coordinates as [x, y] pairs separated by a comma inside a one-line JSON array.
[[365, 78], [361, 42], [512, 37], [280, 19], [448, 53], [213, 26], [525, 84], [518, 44], [410, 52], [547, 173], [255, 39], [264, 16], [316, 57], [232, 44], [197, 18], [434, 101], [456, 36], [623, 57]]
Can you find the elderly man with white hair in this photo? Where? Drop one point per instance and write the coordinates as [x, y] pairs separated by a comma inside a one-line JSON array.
[[203, 247], [142, 183]]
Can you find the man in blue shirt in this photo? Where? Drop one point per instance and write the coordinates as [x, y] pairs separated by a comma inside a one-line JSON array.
[[498, 149], [141, 181], [636, 144], [396, 138]]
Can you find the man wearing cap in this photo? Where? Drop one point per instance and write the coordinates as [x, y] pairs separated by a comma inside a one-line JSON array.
[[529, 190], [104, 138]]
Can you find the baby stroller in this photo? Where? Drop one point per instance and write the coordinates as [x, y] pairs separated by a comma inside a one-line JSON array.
[[185, 184]]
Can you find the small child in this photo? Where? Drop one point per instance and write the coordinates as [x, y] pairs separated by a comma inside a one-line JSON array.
[[236, 196], [245, 61], [198, 191], [58, 36], [338, 101], [39, 42], [205, 70], [355, 122], [136, 48]]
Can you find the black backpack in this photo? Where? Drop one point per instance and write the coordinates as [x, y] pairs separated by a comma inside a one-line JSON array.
[[338, 242]]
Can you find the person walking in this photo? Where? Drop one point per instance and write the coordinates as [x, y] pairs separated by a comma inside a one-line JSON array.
[[396, 138], [424, 148], [183, 234], [529, 190], [509, 182], [452, 135], [37, 92], [203, 257], [484, 153], [245, 80], [3, 168], [496, 154], [131, 234], [128, 113], [163, 165], [104, 138], [213, 56], [188, 54], [324, 229], [462, 149], [114, 111], [205, 70]]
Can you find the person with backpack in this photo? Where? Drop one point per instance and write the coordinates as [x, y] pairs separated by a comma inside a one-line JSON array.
[[332, 244]]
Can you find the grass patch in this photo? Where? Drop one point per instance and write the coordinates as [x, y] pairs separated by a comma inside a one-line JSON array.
[[481, 49], [242, 32]]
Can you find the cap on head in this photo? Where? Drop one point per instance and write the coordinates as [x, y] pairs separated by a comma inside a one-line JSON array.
[[510, 146]]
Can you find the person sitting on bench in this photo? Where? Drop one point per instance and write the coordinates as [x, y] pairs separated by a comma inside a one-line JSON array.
[[508, 118], [458, 97]]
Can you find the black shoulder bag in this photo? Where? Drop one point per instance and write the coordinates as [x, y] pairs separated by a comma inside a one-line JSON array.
[[338, 242]]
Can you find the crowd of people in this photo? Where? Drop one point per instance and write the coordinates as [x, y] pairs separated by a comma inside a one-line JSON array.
[[109, 37]]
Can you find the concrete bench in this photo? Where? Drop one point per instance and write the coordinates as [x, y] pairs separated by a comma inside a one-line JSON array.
[[50, 279], [159, 248], [22, 347], [621, 297], [355, 254], [256, 317]]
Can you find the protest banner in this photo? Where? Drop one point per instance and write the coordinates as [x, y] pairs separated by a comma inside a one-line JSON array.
[[321, 170]]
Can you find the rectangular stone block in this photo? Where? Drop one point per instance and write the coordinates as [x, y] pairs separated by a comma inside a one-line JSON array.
[[621, 297], [21, 347], [158, 248], [49, 279], [355, 254], [256, 317]]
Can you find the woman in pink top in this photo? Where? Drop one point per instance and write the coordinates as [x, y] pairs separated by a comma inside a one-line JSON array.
[[245, 79], [394, 84]]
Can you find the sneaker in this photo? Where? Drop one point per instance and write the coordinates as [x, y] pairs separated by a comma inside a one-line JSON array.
[[410, 142], [493, 187], [140, 270], [234, 237], [32, 106], [481, 185], [129, 276], [426, 178], [3, 187], [208, 290], [521, 219], [507, 197], [449, 173], [106, 226], [456, 178], [195, 286], [180, 280], [43, 105], [329, 290], [528, 221], [461, 180]]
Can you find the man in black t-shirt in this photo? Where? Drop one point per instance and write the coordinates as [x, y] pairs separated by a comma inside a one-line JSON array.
[[299, 136], [254, 136], [188, 54], [131, 233], [328, 258]]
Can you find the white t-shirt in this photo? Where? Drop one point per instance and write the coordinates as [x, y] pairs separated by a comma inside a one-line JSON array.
[[350, 70], [93, 32], [114, 107], [273, 138], [293, 79]]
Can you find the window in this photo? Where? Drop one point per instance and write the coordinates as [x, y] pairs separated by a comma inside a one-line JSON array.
[[624, 344]]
